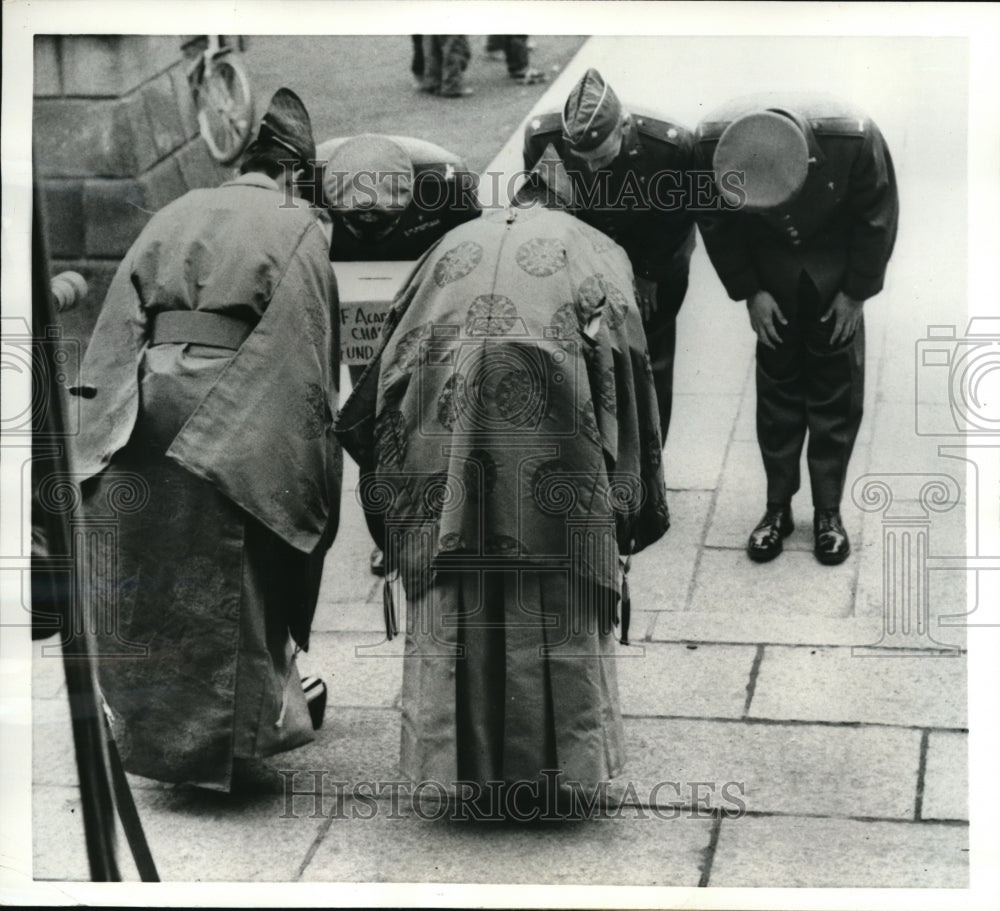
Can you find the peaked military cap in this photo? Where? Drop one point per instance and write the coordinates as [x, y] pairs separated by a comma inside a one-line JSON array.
[[287, 123], [591, 113], [772, 153], [369, 172]]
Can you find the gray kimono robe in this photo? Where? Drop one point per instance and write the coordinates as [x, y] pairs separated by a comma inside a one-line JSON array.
[[211, 481]]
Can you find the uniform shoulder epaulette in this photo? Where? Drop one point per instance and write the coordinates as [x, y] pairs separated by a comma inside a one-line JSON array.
[[422, 152], [663, 130], [846, 125], [544, 124]]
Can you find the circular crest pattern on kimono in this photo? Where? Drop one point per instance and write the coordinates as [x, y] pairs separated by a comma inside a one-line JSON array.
[[553, 489], [502, 545], [451, 541], [407, 353], [596, 288], [506, 389], [541, 256], [490, 314], [457, 263], [565, 326]]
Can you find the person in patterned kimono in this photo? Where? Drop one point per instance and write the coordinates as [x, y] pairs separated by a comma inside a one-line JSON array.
[[211, 477], [509, 425]]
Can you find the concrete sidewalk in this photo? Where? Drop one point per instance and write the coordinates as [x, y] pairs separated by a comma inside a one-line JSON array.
[[851, 761]]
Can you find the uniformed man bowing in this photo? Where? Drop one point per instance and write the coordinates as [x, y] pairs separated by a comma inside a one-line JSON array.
[[392, 197], [805, 227], [629, 176]]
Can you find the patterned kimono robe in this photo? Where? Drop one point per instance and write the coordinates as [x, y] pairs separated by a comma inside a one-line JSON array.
[[211, 482], [508, 438]]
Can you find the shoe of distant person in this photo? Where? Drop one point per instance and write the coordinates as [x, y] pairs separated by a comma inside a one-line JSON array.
[[458, 93], [529, 77]]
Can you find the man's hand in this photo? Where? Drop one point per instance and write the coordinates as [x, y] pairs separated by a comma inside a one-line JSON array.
[[645, 297], [846, 312], [764, 312]]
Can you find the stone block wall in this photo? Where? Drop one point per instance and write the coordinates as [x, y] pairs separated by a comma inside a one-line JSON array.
[[115, 139]]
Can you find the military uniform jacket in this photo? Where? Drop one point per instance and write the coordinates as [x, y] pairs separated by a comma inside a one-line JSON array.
[[841, 227], [444, 196], [640, 201]]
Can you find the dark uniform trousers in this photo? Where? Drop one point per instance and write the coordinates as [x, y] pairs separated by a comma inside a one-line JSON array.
[[806, 384], [661, 331]]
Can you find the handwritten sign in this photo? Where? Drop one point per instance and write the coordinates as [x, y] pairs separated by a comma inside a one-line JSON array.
[[366, 293]]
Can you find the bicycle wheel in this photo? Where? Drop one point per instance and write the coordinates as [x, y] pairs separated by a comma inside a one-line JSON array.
[[225, 108]]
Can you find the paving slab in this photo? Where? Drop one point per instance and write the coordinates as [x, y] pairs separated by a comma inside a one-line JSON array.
[[626, 851], [788, 851], [53, 760], [48, 679], [896, 446], [196, 835], [946, 777], [347, 579], [660, 577], [58, 842], [793, 585], [900, 620], [360, 669], [832, 684], [742, 496], [682, 680], [689, 512], [944, 535], [779, 768], [714, 354], [700, 427], [750, 626], [353, 745]]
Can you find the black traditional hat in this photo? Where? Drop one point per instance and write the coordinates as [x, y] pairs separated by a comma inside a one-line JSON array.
[[287, 123]]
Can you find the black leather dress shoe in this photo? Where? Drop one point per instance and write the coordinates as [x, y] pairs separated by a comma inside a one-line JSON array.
[[832, 544], [766, 539]]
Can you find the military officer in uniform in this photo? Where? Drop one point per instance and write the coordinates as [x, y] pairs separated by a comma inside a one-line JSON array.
[[804, 227], [391, 198], [629, 176]]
